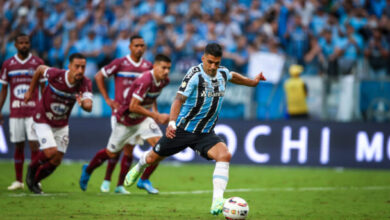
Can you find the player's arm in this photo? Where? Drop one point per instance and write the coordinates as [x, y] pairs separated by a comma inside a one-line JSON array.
[[136, 107], [99, 77], [243, 80], [154, 106], [3, 96], [85, 101], [38, 74], [175, 110]]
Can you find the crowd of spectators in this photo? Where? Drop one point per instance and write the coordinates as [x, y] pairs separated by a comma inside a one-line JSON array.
[[325, 36]]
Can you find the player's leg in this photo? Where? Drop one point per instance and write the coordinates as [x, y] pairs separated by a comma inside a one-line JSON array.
[[117, 139], [32, 137], [126, 161], [221, 155], [111, 163], [53, 145], [164, 148], [17, 136], [144, 182]]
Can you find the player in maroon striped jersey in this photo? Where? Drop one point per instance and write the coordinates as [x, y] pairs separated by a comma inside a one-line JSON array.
[[136, 118], [124, 70], [17, 72], [65, 88]]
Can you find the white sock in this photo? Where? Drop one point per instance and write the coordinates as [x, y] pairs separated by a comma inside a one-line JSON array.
[[141, 165], [220, 179]]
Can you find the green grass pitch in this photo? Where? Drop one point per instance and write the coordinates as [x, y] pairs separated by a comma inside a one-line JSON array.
[[186, 190]]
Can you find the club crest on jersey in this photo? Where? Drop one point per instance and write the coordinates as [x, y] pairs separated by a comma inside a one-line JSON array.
[[59, 108], [33, 62], [19, 90]]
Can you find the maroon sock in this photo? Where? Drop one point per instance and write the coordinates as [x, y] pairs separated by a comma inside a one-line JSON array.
[[148, 171], [34, 154], [111, 163], [19, 160], [39, 159], [97, 160], [44, 171], [125, 166]]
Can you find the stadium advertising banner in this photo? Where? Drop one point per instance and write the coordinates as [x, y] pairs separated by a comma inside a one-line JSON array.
[[286, 143]]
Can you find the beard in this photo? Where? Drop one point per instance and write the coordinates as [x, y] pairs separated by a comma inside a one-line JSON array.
[[24, 52]]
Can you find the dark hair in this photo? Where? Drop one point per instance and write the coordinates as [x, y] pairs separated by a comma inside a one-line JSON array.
[[21, 35], [76, 56], [135, 37], [213, 49], [162, 58]]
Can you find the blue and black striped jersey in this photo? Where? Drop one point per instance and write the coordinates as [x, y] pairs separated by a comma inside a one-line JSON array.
[[204, 93]]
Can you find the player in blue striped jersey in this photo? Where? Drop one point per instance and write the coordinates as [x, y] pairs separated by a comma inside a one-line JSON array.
[[193, 116]]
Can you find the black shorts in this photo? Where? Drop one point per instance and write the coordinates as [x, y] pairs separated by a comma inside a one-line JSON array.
[[200, 143]]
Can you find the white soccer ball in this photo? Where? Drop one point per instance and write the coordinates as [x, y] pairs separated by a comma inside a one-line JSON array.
[[235, 208]]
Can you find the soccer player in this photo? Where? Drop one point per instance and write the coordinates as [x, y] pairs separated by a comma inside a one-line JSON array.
[[17, 72], [135, 121], [51, 117], [194, 113], [125, 70]]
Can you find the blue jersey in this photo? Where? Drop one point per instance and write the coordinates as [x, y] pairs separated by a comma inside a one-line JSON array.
[[204, 93]]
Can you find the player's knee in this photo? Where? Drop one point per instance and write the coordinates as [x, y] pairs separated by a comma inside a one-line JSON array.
[[224, 156], [57, 159], [112, 154]]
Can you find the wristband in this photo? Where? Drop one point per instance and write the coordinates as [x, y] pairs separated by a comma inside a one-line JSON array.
[[172, 124]]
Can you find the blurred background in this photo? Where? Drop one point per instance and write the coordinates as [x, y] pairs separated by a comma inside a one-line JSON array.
[[337, 51], [343, 46]]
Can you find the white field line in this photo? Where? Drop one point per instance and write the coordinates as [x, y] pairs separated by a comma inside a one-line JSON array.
[[272, 189]]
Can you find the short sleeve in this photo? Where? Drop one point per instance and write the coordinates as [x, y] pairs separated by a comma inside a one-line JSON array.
[[111, 69], [190, 82], [51, 73], [140, 88], [86, 89], [4, 74], [226, 74]]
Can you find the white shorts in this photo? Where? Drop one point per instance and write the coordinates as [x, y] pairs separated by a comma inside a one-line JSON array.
[[49, 137], [19, 128], [133, 135], [113, 122]]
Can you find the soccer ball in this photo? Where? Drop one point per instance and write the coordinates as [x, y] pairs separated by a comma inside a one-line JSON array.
[[235, 208]]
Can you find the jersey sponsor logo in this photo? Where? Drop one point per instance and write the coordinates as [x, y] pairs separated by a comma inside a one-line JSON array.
[[212, 94], [183, 84], [19, 104], [109, 71], [157, 148], [19, 90], [59, 108], [51, 117], [126, 92]]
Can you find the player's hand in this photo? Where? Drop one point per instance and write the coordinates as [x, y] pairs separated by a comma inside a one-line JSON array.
[[260, 77], [171, 131], [27, 96], [113, 104], [78, 98], [162, 118]]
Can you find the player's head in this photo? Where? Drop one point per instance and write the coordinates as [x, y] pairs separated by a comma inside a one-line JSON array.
[[161, 66], [137, 46], [22, 44], [212, 58], [77, 63]]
